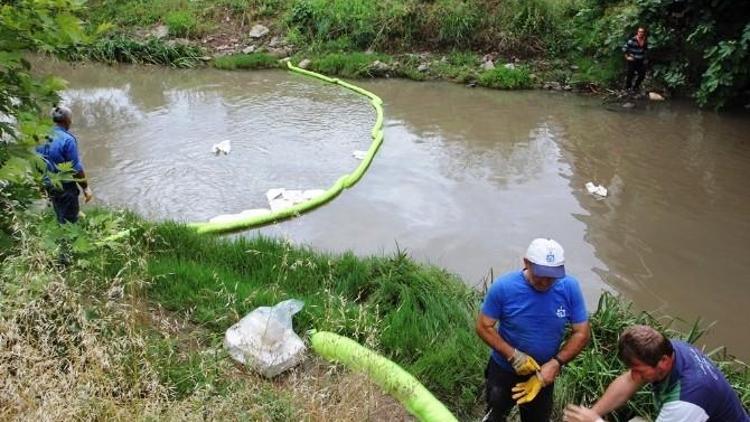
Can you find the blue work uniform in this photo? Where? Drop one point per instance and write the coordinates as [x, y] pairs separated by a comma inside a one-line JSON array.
[[533, 322], [696, 391], [62, 147]]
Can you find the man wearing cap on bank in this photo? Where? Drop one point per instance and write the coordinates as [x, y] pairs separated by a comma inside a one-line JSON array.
[[523, 319], [62, 147]]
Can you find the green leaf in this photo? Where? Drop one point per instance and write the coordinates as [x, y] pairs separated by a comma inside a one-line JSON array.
[[15, 169], [82, 245], [10, 58]]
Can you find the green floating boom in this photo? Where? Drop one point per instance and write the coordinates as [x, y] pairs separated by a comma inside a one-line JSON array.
[[344, 182], [387, 374]]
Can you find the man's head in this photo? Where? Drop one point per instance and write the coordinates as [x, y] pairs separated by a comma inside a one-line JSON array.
[[647, 352], [544, 262], [62, 116], [641, 32]]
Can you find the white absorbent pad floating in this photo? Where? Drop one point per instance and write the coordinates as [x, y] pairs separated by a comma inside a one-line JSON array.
[[281, 198], [223, 146], [264, 339], [596, 190]]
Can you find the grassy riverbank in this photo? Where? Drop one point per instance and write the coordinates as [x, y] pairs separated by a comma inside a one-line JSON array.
[[134, 327]]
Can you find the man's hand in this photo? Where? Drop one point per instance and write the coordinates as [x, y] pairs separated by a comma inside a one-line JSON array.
[[629, 58], [88, 195], [575, 413], [525, 392], [550, 371], [522, 363]]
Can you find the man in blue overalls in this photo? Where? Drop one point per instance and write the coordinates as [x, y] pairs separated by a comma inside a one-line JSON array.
[[62, 147]]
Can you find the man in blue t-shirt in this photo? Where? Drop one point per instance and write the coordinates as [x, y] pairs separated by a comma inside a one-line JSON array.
[[523, 320], [62, 147], [687, 386]]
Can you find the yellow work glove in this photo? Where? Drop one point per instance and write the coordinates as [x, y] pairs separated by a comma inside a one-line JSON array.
[[522, 363], [525, 392]]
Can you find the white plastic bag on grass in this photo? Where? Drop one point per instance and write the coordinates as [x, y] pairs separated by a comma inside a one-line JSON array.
[[265, 340]]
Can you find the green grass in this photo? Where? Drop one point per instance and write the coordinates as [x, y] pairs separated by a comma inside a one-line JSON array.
[[456, 22], [160, 339], [415, 315], [246, 61], [181, 23], [123, 49], [504, 78], [458, 66], [602, 72], [349, 65], [136, 13]]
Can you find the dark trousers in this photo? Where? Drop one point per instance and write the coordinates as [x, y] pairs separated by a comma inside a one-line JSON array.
[[65, 202], [635, 66], [499, 400]]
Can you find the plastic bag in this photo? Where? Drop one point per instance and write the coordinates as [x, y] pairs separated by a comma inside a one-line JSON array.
[[265, 340]]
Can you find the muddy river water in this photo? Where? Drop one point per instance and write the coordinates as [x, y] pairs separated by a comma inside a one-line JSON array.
[[464, 180]]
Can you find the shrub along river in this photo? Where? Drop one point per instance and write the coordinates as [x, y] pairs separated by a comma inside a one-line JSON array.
[[464, 180]]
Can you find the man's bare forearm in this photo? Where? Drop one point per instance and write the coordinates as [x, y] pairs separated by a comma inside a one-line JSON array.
[[577, 341], [488, 333], [617, 394]]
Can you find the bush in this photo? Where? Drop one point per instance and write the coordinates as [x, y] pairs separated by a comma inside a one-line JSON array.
[[604, 71], [181, 23], [456, 22], [359, 20], [504, 78]]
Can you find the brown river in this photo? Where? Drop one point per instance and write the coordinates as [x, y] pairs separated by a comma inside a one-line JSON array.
[[464, 180]]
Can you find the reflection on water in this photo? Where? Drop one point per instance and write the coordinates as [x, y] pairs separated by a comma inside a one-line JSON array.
[[465, 177]]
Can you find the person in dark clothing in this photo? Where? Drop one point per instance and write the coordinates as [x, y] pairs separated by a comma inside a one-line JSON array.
[[635, 55], [62, 147]]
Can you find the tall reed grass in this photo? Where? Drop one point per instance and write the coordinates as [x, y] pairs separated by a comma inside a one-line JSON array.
[[123, 49]]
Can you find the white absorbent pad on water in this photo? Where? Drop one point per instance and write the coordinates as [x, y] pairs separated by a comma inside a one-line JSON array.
[[226, 218], [281, 198], [597, 190], [264, 339], [223, 146]]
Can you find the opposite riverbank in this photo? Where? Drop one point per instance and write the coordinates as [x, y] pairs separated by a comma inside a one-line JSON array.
[[572, 45]]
